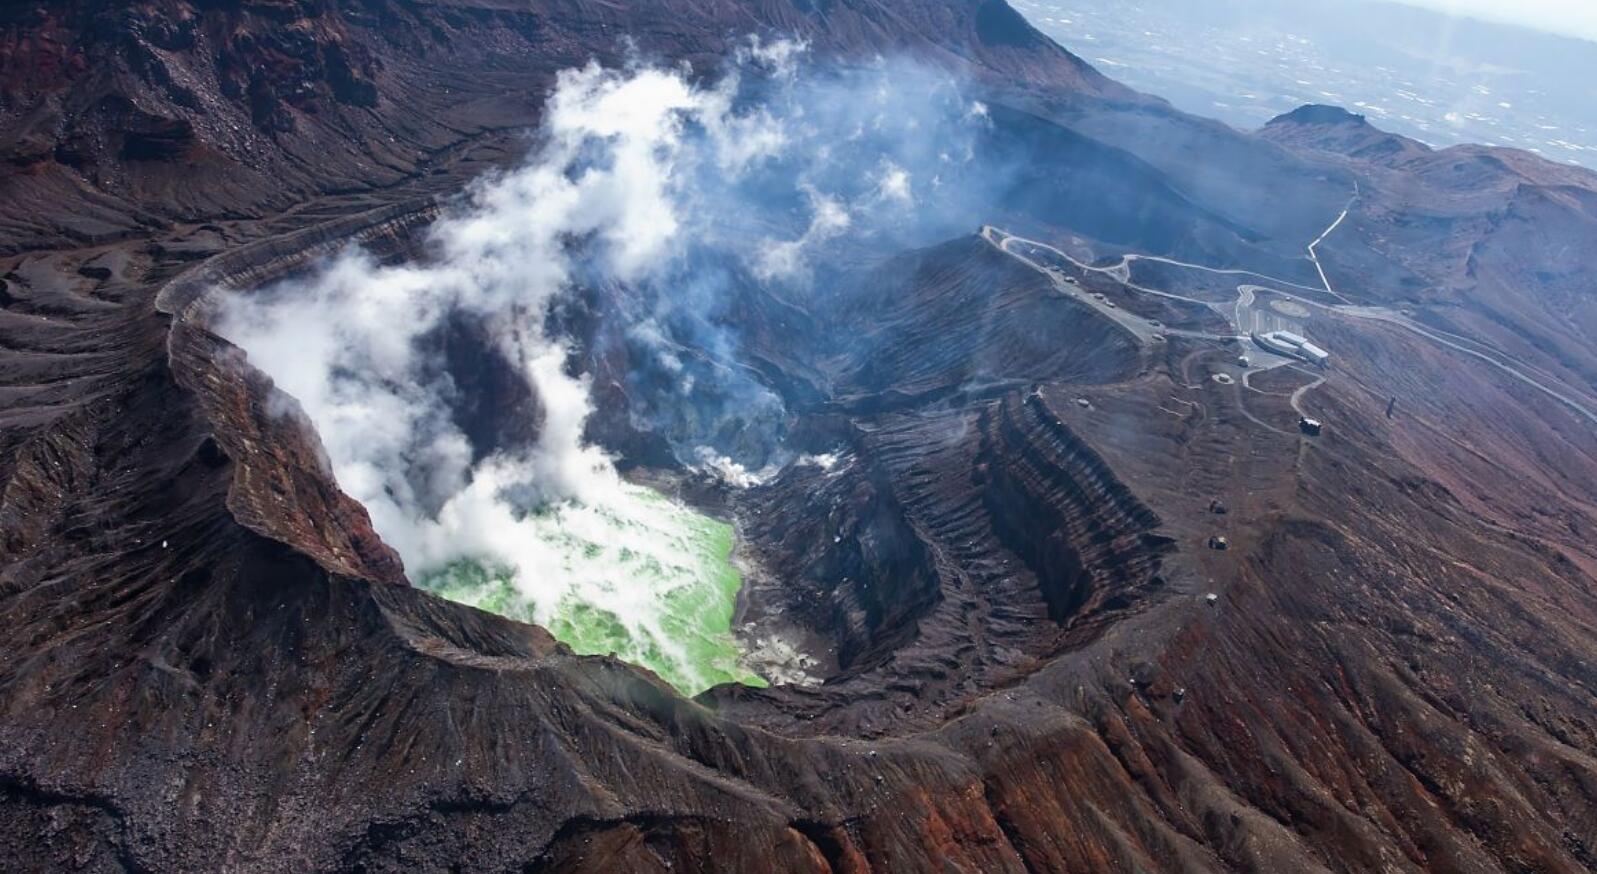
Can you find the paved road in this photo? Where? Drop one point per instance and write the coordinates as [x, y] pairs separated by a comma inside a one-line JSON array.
[[1244, 309], [1246, 296], [1314, 256], [1508, 366], [1125, 260], [1032, 254], [1297, 396]]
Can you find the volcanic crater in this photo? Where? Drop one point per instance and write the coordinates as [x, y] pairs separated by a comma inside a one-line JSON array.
[[1000, 552], [959, 535]]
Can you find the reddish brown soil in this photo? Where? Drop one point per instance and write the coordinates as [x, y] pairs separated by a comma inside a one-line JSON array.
[[212, 663]]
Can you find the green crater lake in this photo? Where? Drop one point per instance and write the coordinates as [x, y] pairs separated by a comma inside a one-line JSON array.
[[640, 576]]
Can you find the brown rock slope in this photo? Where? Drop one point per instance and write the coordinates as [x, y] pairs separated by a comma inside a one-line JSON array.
[[115, 117], [211, 663], [1481, 241]]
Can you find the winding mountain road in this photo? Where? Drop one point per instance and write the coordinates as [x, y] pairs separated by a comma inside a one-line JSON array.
[[1246, 296], [1315, 257]]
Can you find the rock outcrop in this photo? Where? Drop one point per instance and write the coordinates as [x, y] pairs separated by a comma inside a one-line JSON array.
[[211, 662]]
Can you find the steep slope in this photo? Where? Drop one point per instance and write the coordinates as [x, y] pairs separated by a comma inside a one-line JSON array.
[[212, 663], [118, 117], [1480, 241]]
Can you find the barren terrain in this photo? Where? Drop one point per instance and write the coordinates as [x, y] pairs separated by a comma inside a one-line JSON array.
[[1031, 657]]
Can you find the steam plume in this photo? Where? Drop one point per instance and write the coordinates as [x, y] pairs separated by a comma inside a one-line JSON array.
[[636, 175]]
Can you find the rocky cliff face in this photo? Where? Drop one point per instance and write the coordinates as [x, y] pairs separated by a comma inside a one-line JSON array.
[[211, 662], [116, 117]]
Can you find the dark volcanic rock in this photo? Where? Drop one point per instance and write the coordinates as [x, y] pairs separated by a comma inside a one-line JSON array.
[[1477, 236], [261, 104], [1333, 129], [1318, 114], [490, 402], [963, 317], [210, 661]]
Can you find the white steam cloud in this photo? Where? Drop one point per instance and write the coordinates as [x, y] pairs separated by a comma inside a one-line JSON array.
[[634, 170], [345, 343]]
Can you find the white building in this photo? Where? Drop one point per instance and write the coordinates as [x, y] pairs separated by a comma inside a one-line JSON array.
[[1293, 345]]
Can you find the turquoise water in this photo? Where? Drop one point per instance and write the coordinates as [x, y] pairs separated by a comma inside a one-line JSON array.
[[643, 577]]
